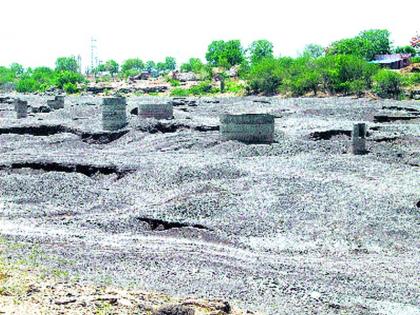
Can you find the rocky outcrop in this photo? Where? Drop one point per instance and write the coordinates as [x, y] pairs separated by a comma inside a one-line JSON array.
[[184, 76]]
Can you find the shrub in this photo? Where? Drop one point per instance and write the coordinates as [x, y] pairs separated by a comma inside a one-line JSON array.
[[27, 85], [265, 77], [174, 83], [70, 88], [405, 50], [301, 77], [415, 59], [202, 88], [180, 92], [193, 65], [338, 72], [388, 84], [411, 79], [6, 75], [67, 77], [234, 87]]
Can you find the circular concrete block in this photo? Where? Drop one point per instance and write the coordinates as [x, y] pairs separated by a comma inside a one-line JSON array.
[[21, 108], [248, 128], [114, 114], [157, 111]]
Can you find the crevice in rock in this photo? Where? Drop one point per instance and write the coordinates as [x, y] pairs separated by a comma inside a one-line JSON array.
[[48, 130], [387, 118], [407, 109], [204, 128], [41, 130], [170, 127], [85, 169], [262, 101], [102, 137], [418, 204], [157, 224], [386, 139], [328, 134]]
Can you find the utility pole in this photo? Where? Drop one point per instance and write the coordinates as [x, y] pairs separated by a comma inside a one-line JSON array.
[[93, 54]]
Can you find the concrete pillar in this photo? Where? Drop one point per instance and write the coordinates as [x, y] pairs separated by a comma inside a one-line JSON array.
[[56, 103], [157, 111], [248, 128], [358, 139], [21, 108], [114, 114]]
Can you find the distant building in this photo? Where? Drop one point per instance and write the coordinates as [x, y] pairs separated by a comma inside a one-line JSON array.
[[394, 61]]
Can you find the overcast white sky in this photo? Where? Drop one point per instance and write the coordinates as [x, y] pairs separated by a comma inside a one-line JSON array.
[[35, 33]]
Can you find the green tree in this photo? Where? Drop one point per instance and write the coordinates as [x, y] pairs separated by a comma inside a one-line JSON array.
[[193, 65], [6, 75], [66, 64], [17, 69], [350, 46], [225, 54], [379, 42], [366, 45], [132, 66], [313, 51], [170, 63], [259, 50], [112, 67], [265, 77], [388, 83], [405, 50], [150, 66]]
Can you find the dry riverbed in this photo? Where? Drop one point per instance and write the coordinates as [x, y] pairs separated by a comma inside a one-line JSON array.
[[300, 226]]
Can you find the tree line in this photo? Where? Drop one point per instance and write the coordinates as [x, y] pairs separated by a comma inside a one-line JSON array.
[[341, 68]]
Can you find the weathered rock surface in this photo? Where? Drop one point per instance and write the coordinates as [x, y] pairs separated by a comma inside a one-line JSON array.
[[299, 226]]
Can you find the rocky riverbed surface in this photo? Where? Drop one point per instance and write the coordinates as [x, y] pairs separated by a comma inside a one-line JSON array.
[[300, 226]]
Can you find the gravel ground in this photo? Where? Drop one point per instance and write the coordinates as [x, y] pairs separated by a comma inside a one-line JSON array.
[[300, 226]]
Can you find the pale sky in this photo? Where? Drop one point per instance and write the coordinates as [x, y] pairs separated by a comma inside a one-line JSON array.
[[35, 33]]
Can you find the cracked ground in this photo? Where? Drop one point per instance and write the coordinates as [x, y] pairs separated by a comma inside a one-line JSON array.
[[296, 227]]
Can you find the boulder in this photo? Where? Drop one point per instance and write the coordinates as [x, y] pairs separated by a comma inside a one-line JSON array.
[[141, 76], [184, 76], [174, 309]]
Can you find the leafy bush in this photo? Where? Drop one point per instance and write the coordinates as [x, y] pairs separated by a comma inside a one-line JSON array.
[[388, 83], [193, 65], [202, 88], [6, 75], [234, 87], [339, 71], [27, 85], [265, 77], [68, 78], [174, 82], [302, 77], [180, 92], [405, 50], [70, 88], [411, 79], [415, 59]]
